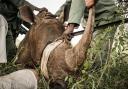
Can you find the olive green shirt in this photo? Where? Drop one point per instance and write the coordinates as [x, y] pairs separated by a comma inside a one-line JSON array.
[[105, 12]]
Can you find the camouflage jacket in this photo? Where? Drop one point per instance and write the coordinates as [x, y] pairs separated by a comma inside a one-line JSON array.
[[106, 12], [9, 9]]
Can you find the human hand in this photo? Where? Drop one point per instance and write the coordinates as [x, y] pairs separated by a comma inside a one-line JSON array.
[[89, 3], [69, 28], [42, 9], [67, 33], [65, 37]]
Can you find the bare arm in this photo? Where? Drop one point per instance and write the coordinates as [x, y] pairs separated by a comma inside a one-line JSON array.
[[19, 3]]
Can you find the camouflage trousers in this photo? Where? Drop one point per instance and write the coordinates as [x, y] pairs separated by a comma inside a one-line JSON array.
[[10, 45]]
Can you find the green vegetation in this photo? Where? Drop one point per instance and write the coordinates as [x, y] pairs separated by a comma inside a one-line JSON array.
[[112, 74]]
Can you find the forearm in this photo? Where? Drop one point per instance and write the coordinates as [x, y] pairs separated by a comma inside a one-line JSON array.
[[16, 3], [19, 3]]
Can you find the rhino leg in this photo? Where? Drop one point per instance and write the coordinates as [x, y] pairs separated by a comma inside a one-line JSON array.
[[75, 56]]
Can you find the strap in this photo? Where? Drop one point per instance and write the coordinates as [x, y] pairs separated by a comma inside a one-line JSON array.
[[45, 56]]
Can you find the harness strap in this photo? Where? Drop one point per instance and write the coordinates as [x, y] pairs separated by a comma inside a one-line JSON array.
[[45, 56]]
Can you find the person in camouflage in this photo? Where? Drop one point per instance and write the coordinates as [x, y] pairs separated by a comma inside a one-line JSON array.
[[106, 16], [106, 12], [9, 10]]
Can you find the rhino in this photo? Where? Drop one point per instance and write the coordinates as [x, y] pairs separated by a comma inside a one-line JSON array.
[[64, 59]]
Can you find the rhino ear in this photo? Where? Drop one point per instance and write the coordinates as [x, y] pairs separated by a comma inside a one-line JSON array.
[[26, 14]]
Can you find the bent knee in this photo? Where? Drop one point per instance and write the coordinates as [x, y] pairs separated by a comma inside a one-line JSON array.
[[3, 21]]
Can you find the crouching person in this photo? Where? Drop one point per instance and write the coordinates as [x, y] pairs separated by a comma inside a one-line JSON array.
[[21, 79]]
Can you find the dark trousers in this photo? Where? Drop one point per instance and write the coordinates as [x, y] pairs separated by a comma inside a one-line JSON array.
[[10, 45]]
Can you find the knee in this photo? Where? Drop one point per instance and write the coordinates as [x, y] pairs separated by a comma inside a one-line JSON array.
[[3, 21]]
